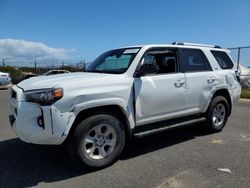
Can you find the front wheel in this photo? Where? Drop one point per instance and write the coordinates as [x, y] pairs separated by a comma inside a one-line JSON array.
[[98, 141], [217, 114]]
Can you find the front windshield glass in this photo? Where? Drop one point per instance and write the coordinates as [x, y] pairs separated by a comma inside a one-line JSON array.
[[114, 61]]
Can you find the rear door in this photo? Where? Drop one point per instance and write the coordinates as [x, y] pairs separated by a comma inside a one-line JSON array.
[[200, 78]]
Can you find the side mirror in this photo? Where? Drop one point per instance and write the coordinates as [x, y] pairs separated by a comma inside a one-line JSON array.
[[147, 69]]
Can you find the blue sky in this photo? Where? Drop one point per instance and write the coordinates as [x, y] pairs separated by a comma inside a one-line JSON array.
[[84, 29]]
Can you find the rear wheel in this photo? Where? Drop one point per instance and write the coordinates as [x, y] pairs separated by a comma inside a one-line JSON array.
[[217, 114], [98, 141]]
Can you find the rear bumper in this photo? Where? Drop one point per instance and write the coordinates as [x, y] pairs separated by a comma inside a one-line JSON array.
[[235, 94]]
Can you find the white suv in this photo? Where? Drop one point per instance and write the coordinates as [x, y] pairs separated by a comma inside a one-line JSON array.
[[127, 92]]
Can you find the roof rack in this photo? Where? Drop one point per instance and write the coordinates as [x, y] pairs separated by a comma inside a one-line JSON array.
[[193, 44]]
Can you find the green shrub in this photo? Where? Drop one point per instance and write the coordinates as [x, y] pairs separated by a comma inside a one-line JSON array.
[[245, 93]]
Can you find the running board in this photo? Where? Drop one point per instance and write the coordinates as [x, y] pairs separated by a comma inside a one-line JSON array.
[[167, 127]]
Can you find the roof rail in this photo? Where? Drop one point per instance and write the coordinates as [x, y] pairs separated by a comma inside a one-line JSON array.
[[193, 44]]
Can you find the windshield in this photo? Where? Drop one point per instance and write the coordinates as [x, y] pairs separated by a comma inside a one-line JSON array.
[[114, 61]]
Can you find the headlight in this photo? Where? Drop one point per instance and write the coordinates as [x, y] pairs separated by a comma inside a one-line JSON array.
[[44, 96]]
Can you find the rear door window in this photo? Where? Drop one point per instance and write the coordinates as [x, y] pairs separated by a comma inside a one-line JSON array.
[[223, 59], [193, 60]]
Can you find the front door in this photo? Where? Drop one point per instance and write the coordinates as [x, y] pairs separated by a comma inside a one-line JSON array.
[[160, 96]]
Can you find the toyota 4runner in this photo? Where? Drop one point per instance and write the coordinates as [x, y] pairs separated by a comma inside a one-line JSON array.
[[126, 92]]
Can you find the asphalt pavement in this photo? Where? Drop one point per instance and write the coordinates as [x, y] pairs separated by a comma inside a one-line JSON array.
[[186, 157]]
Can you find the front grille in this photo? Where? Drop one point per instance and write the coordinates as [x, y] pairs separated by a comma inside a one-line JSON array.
[[13, 94]]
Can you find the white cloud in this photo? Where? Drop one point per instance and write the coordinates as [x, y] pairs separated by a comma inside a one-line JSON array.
[[12, 48]]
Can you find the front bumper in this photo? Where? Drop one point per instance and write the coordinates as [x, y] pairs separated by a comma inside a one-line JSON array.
[[24, 121]]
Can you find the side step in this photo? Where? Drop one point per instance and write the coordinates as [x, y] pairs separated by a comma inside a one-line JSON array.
[[167, 126]]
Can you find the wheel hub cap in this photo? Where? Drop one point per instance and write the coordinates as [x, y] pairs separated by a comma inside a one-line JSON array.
[[219, 114], [100, 141]]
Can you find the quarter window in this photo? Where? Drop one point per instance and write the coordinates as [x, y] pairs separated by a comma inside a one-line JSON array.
[[223, 60], [193, 60]]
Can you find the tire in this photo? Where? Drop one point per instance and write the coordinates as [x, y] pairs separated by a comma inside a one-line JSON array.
[[97, 141], [217, 114]]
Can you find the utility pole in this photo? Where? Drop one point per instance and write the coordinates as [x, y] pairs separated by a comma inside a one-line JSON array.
[[35, 66], [3, 63], [84, 65], [238, 58]]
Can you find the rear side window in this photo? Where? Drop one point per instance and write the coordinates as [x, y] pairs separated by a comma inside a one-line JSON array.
[[193, 60], [223, 59]]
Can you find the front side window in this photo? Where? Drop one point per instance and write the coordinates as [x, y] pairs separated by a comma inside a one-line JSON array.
[[223, 59], [164, 59], [114, 61], [193, 60]]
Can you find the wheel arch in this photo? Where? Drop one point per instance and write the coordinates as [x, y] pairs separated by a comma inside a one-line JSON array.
[[224, 93], [113, 109]]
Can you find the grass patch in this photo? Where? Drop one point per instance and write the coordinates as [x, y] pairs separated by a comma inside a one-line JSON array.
[[245, 93]]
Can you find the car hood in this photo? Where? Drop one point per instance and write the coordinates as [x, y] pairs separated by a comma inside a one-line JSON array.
[[69, 80]]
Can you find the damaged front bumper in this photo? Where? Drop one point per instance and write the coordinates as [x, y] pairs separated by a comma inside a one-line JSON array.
[[37, 124]]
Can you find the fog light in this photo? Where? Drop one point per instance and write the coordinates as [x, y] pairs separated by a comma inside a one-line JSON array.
[[40, 121]]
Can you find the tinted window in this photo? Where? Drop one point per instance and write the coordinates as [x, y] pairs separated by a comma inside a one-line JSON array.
[[148, 59], [164, 59], [50, 73], [193, 60], [223, 59]]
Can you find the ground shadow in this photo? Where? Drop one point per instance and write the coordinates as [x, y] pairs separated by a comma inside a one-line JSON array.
[[25, 165], [169, 138]]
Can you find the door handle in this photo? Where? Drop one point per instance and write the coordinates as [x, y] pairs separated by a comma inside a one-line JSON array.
[[179, 83], [211, 79]]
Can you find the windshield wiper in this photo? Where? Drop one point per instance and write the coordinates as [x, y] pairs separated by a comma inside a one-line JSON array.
[[109, 71], [98, 71]]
